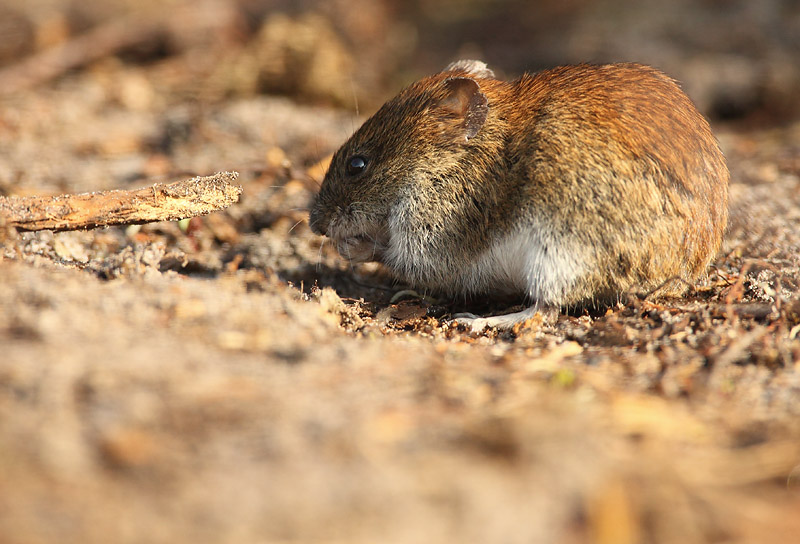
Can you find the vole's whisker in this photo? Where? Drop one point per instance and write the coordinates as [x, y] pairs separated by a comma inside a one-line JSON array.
[[355, 96], [317, 183], [319, 255], [293, 226], [350, 259], [374, 250]]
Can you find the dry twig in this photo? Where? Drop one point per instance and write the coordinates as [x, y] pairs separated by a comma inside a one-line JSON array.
[[179, 200]]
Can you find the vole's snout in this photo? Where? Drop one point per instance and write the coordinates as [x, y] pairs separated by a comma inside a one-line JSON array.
[[318, 222]]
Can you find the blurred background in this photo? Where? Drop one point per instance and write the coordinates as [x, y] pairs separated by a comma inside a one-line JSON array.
[[737, 59], [212, 395]]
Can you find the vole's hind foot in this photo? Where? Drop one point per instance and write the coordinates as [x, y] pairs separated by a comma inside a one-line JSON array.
[[506, 321]]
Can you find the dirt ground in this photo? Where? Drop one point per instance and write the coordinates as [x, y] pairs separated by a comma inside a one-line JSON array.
[[231, 379]]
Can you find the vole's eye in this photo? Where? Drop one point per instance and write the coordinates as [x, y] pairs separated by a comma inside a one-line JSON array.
[[356, 165]]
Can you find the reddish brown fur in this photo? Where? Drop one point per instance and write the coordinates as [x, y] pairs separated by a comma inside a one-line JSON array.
[[614, 158]]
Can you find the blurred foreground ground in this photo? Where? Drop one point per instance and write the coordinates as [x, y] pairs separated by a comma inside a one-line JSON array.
[[235, 381]]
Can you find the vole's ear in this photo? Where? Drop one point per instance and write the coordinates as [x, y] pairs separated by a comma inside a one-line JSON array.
[[465, 106], [475, 68]]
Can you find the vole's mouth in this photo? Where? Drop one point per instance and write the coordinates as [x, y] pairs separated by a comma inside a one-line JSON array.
[[358, 236], [360, 248]]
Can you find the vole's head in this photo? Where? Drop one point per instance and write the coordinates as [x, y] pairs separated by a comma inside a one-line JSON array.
[[402, 151]]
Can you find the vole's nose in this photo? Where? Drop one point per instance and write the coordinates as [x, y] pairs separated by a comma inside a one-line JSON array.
[[317, 222]]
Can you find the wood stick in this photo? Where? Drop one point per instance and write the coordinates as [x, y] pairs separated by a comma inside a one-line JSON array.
[[179, 200]]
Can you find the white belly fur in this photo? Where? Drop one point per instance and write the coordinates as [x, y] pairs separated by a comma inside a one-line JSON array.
[[519, 262]]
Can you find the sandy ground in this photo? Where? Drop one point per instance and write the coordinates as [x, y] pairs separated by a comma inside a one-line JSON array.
[[233, 380]]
